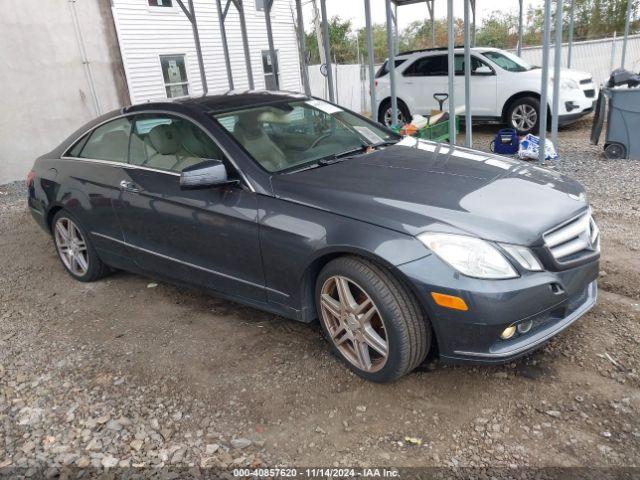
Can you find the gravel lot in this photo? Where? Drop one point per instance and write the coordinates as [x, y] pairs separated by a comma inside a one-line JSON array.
[[122, 373]]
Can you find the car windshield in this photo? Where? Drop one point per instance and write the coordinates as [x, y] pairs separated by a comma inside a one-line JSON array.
[[508, 61], [290, 135]]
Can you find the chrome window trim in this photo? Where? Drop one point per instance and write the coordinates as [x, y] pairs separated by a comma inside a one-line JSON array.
[[188, 264], [121, 164], [64, 156]]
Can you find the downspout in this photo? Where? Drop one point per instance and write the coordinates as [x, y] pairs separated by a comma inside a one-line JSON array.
[[85, 61]]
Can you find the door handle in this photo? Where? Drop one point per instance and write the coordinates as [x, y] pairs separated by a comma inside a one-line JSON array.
[[129, 186]]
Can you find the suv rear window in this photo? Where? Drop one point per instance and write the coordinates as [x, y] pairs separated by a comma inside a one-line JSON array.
[[384, 69]]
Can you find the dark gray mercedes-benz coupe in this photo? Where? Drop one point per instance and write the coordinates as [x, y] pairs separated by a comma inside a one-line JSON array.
[[297, 206]]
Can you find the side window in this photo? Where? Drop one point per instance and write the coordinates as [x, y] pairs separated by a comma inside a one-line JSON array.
[[432, 66], [478, 67], [107, 142], [174, 73], [170, 143]]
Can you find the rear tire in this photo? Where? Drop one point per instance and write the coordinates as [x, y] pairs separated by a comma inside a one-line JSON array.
[[385, 116], [75, 249], [524, 115], [395, 338]]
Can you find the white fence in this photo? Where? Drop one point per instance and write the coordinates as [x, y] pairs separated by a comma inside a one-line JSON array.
[[593, 56], [352, 83]]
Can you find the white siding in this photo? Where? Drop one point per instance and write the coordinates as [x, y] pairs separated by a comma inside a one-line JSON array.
[[146, 32]]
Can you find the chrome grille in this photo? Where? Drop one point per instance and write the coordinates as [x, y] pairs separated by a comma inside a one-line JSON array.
[[574, 239]]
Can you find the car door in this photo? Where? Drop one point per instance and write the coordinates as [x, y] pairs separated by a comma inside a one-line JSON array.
[[422, 79], [483, 87], [208, 236], [92, 169]]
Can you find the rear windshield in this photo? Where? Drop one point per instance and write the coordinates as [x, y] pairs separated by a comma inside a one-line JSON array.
[[384, 69]]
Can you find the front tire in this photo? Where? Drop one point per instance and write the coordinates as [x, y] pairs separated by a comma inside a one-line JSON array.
[[373, 323], [74, 248], [524, 115], [385, 114]]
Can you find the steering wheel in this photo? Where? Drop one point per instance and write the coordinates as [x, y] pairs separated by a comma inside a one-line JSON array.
[[319, 139]]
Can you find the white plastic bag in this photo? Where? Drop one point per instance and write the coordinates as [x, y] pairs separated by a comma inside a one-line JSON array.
[[530, 146], [419, 121]]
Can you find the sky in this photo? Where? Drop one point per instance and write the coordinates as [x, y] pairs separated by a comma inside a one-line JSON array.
[[354, 9]]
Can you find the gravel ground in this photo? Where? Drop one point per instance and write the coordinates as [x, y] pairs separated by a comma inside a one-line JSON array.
[[121, 373]]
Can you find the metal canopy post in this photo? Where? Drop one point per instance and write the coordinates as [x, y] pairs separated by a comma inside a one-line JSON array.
[[191, 16], [451, 72], [372, 80], [570, 48], [395, 29], [626, 32], [557, 57], [325, 45], [392, 66], [468, 139], [430, 8], [520, 18], [245, 42], [473, 28], [272, 51], [303, 49], [545, 80], [222, 15]]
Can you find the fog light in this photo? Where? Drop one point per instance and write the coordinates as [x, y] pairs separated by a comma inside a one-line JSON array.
[[508, 332], [524, 327]]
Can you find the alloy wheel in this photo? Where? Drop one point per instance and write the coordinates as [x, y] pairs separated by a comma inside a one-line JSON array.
[[354, 323], [71, 246], [524, 117], [388, 116]]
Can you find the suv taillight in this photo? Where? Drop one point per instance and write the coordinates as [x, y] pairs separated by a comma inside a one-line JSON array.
[[30, 177]]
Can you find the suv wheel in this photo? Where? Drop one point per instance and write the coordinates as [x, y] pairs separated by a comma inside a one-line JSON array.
[[372, 321], [524, 115], [385, 115]]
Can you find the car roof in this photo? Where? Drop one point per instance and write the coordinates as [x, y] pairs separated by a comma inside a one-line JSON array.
[[440, 51], [239, 100], [230, 101]]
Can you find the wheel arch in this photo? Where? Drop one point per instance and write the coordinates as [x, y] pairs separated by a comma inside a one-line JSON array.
[[52, 213], [308, 281], [517, 96]]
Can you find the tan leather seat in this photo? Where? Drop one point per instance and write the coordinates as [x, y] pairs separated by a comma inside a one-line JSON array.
[[254, 139], [167, 152]]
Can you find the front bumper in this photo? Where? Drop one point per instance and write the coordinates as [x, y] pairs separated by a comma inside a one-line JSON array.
[[550, 300]]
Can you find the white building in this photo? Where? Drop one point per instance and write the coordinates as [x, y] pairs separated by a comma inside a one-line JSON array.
[[159, 55]]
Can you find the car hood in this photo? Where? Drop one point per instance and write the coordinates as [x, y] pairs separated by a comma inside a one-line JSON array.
[[416, 186], [565, 74]]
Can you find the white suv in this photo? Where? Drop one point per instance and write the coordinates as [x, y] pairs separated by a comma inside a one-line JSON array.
[[504, 88]]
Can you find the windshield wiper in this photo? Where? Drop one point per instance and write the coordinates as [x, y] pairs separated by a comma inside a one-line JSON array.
[[340, 156]]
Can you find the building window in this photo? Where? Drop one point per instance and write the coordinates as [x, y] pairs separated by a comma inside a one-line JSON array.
[[174, 73], [160, 3], [260, 5]]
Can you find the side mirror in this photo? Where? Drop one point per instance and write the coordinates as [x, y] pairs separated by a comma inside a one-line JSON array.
[[207, 173], [483, 70]]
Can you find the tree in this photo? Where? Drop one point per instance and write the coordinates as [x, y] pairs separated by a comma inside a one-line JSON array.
[[341, 41]]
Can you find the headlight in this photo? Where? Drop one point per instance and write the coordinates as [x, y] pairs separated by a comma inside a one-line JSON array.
[[469, 255], [523, 256]]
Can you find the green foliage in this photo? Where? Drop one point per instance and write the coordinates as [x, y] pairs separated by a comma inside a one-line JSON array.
[[592, 19]]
